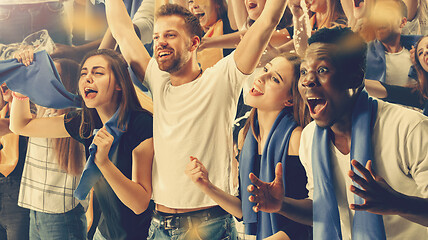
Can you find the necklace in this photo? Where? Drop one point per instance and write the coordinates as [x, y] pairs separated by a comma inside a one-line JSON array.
[[199, 74]]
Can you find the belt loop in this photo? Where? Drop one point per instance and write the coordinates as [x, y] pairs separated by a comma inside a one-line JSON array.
[[189, 220]]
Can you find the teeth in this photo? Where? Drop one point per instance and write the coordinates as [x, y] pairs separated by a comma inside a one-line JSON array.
[[164, 54], [256, 89]]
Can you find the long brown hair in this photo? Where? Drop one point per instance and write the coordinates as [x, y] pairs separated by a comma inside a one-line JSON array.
[[422, 74], [335, 14], [301, 115], [127, 99], [67, 151]]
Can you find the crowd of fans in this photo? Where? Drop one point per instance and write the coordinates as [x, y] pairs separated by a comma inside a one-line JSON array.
[[302, 119]]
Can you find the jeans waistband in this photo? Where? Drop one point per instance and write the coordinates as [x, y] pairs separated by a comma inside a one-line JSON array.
[[185, 220]]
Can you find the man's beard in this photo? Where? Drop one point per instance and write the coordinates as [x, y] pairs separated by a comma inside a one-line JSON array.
[[172, 65]]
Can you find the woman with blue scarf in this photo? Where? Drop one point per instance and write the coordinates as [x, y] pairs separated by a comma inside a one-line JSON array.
[[117, 134], [272, 135]]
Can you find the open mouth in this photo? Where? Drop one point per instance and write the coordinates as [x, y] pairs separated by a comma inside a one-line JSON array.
[[316, 105], [200, 15], [357, 3], [255, 91], [164, 54], [252, 5], [90, 93]]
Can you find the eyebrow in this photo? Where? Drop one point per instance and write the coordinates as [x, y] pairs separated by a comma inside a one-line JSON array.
[[279, 75], [94, 68]]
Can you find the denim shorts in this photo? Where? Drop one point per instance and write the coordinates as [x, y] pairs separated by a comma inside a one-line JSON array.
[[222, 227]]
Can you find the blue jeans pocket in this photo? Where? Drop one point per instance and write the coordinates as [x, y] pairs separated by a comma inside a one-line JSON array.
[[5, 13]]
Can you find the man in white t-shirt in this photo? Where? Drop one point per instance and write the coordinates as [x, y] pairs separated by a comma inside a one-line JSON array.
[[193, 112], [396, 194], [388, 56]]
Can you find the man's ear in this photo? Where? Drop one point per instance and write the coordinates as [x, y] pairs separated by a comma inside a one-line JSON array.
[[403, 22], [195, 41]]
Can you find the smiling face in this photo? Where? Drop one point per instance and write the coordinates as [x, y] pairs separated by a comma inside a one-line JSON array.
[[97, 84], [254, 8], [422, 53], [321, 88], [205, 11], [171, 43], [271, 89]]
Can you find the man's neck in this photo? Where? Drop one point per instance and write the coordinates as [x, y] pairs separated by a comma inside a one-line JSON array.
[[188, 73], [393, 45]]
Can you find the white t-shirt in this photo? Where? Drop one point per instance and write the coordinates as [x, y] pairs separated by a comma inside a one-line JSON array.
[[400, 157], [194, 119], [397, 68]]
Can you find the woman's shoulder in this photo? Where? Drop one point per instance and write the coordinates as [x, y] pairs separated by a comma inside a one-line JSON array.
[[294, 143], [140, 125], [138, 117]]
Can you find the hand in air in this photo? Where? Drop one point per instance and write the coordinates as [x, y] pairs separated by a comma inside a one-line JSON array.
[[379, 197], [103, 140], [197, 173], [267, 196]]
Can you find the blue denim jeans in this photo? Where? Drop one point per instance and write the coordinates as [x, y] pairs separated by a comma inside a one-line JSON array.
[[70, 225], [19, 21], [214, 229], [14, 220]]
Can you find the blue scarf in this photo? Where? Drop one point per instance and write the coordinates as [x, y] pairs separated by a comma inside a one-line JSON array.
[[40, 82], [325, 208], [91, 173], [264, 224]]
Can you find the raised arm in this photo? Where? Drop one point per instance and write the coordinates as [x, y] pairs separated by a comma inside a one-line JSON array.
[[412, 8], [254, 42], [134, 193], [240, 14], [23, 123], [302, 30], [122, 29], [144, 20]]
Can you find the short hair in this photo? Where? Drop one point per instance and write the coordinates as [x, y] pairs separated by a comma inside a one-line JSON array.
[[349, 56], [192, 23]]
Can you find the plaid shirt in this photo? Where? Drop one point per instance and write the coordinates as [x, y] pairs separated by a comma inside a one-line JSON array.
[[45, 187]]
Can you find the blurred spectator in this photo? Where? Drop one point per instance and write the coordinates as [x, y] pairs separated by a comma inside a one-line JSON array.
[[388, 56], [214, 20], [14, 220], [18, 19]]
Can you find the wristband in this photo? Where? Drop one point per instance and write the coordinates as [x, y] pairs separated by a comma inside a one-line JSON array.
[[18, 98]]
